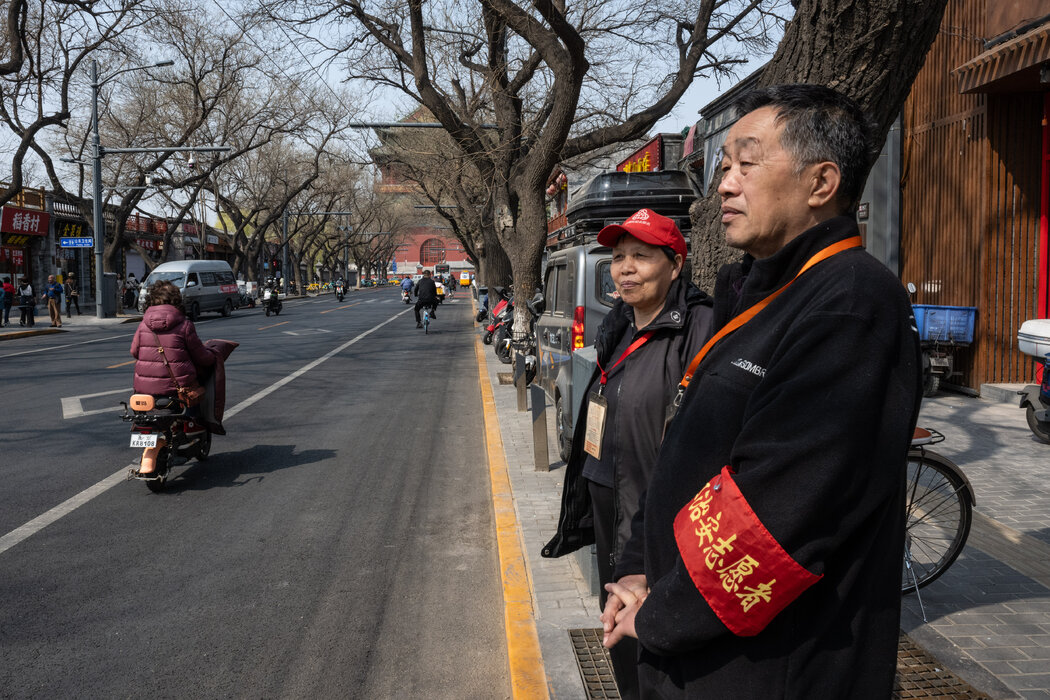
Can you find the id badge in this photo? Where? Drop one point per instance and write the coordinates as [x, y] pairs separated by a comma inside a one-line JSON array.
[[597, 407]]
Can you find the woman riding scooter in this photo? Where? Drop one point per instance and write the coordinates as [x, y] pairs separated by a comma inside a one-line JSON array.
[[166, 334]]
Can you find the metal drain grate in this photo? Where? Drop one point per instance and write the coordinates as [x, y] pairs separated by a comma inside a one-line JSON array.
[[919, 675], [595, 667]]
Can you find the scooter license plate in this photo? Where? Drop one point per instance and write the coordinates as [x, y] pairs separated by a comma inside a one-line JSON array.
[[143, 439]]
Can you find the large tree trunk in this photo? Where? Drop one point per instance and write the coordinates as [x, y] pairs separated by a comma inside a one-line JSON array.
[[525, 252], [871, 51], [494, 269]]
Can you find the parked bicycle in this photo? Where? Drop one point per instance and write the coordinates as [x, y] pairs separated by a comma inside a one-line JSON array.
[[940, 504]]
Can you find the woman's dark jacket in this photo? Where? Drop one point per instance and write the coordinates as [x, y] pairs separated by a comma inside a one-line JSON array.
[[650, 381]]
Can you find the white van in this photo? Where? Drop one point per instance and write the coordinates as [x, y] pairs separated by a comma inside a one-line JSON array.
[[206, 285]]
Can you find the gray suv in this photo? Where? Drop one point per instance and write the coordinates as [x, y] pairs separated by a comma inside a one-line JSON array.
[[578, 292]]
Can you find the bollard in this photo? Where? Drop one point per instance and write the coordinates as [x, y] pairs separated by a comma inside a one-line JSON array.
[[539, 428], [519, 381]]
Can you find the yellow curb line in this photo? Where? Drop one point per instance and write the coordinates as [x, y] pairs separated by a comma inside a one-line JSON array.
[[273, 325], [528, 678]]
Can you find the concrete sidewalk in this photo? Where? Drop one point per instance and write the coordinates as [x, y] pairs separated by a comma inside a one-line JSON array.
[[988, 616], [86, 319]]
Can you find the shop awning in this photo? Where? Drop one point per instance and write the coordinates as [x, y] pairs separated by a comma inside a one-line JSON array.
[[1024, 53]]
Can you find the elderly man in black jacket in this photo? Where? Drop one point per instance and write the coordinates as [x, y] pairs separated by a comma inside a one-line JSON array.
[[426, 295], [765, 561]]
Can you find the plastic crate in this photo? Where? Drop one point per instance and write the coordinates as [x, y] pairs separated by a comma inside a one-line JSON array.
[[945, 324]]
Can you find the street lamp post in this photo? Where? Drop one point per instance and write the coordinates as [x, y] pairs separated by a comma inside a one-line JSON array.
[[98, 226], [96, 177]]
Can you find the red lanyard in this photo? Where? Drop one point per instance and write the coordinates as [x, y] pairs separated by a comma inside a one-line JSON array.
[[738, 321], [639, 342]]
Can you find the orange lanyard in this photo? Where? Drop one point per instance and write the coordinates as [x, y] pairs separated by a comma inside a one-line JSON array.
[[750, 313], [639, 342]]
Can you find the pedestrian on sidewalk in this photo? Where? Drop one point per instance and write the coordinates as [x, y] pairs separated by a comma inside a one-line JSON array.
[[27, 302], [644, 344], [53, 294], [72, 294], [767, 557], [9, 299]]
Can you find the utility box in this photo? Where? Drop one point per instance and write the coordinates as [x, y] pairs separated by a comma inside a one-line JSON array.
[[109, 294]]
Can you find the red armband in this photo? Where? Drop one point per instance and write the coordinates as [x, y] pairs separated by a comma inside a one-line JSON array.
[[741, 571]]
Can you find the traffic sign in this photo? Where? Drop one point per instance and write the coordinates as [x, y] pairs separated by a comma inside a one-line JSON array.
[[82, 242]]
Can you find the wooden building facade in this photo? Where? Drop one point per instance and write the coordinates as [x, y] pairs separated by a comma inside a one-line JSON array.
[[975, 176]]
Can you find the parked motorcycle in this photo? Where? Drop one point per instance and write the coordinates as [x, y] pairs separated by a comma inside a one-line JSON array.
[[1033, 339], [503, 333], [536, 306], [162, 421], [942, 330], [272, 302], [339, 291], [503, 298]]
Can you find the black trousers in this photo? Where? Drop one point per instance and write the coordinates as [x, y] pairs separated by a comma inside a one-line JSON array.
[[422, 305], [624, 655]]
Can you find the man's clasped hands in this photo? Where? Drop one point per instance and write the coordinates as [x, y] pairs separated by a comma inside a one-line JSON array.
[[625, 597]]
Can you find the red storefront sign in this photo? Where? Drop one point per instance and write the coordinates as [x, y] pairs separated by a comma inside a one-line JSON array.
[[648, 157], [25, 221], [147, 244], [12, 255]]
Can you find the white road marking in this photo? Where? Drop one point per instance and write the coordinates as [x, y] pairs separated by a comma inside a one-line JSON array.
[[307, 331], [41, 521], [73, 408], [67, 345]]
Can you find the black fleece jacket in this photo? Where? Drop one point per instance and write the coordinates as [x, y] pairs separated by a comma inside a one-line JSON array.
[[649, 382], [812, 403]]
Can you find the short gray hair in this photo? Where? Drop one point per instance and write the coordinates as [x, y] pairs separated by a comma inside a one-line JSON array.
[[820, 124]]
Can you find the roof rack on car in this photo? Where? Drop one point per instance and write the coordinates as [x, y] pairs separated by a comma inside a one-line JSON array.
[[571, 235]]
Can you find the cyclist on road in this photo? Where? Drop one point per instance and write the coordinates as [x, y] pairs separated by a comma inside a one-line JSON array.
[[426, 293]]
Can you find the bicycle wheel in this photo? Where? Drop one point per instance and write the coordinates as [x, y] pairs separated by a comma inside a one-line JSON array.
[[426, 321], [939, 513]]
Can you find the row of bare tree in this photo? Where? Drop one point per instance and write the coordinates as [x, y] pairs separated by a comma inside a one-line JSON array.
[[517, 87], [235, 82]]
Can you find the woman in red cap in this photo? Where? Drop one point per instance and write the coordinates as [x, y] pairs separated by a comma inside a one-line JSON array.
[[644, 345]]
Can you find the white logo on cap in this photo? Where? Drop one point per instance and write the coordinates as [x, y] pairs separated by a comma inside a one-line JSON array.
[[641, 215]]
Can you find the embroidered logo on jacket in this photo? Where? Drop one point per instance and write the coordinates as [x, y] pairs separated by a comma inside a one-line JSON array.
[[749, 366]]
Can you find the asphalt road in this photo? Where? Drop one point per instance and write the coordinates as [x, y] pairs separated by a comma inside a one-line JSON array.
[[338, 542]]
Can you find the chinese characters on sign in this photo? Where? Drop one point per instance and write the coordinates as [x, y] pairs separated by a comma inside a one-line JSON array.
[[645, 159], [25, 221], [68, 229]]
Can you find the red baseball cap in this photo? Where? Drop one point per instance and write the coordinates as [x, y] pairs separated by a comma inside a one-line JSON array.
[[648, 227]]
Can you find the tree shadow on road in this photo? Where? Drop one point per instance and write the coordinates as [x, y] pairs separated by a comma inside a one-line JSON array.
[[241, 468]]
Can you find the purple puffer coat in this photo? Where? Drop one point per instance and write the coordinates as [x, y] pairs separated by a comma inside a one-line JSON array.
[[184, 350]]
